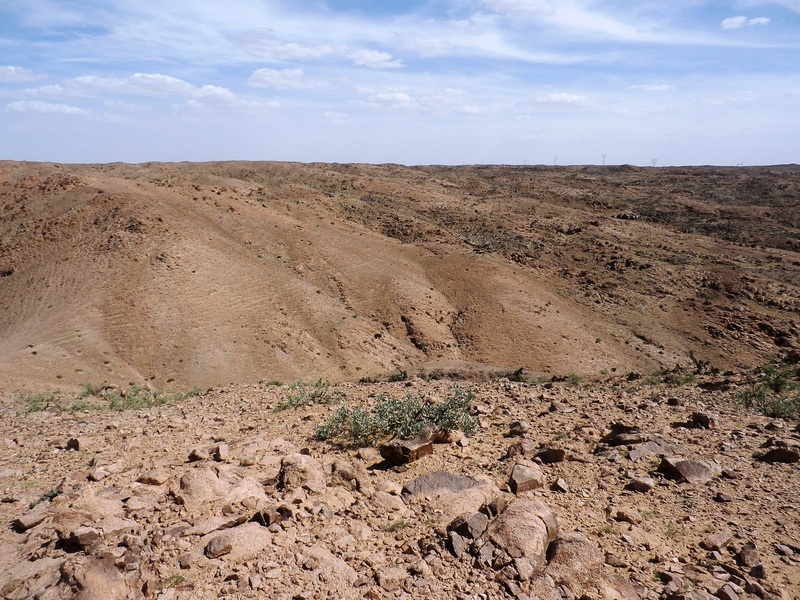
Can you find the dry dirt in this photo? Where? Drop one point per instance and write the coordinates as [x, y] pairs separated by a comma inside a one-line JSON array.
[[208, 274], [637, 302]]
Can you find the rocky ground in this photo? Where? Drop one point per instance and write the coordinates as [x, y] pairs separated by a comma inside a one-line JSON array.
[[606, 489]]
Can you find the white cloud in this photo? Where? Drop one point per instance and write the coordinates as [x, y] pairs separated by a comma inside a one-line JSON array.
[[153, 84], [37, 106], [741, 21], [790, 4], [653, 88], [562, 99], [12, 74], [470, 110], [374, 59], [422, 45], [282, 79], [335, 117], [264, 43], [57, 91], [519, 7], [794, 92], [214, 96], [391, 98]]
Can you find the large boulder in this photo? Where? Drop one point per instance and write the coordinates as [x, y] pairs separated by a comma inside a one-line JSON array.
[[238, 544], [576, 563], [201, 486], [449, 495], [301, 471], [523, 532]]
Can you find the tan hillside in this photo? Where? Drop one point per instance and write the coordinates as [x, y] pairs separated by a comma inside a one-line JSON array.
[[205, 274]]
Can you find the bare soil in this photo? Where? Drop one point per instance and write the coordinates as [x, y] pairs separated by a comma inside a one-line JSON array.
[[206, 274]]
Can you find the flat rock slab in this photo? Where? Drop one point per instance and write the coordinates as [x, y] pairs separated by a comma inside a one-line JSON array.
[[32, 518], [436, 482], [449, 495], [690, 471], [622, 434], [656, 447], [238, 544]]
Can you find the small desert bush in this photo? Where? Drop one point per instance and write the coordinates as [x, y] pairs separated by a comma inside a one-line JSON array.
[[39, 402], [398, 418], [304, 394], [102, 397], [774, 390]]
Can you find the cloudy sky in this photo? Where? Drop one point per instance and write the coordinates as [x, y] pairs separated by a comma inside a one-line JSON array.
[[409, 81]]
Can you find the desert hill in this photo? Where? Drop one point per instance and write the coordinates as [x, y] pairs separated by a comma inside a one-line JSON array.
[[204, 274]]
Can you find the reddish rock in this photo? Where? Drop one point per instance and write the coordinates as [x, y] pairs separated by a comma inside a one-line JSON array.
[[32, 518], [526, 476], [469, 526], [523, 530], [400, 452], [301, 470], [691, 471], [782, 455], [551, 455]]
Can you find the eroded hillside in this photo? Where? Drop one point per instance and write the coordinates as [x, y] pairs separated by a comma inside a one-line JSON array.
[[204, 274]]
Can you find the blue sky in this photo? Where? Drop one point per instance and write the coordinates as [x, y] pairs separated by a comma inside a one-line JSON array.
[[415, 81]]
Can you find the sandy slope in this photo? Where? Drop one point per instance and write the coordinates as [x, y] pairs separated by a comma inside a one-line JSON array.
[[205, 274]]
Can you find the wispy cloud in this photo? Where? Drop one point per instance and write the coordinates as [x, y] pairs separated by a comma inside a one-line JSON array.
[[282, 79], [740, 21], [660, 87], [520, 7], [392, 98], [214, 96], [138, 83], [37, 106], [374, 59], [12, 74], [265, 43], [559, 99]]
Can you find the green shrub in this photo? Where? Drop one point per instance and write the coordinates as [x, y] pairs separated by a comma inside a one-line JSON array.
[[39, 402], [303, 394], [398, 418], [773, 391], [103, 397]]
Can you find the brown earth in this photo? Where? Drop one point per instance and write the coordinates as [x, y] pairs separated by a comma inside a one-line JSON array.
[[203, 274], [617, 485]]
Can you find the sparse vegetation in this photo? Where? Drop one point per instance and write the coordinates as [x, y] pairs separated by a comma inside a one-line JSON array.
[[172, 581], [102, 397], [395, 526], [38, 402], [774, 390], [398, 418], [304, 394], [517, 375]]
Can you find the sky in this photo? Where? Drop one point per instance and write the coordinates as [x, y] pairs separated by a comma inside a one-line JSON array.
[[651, 82]]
